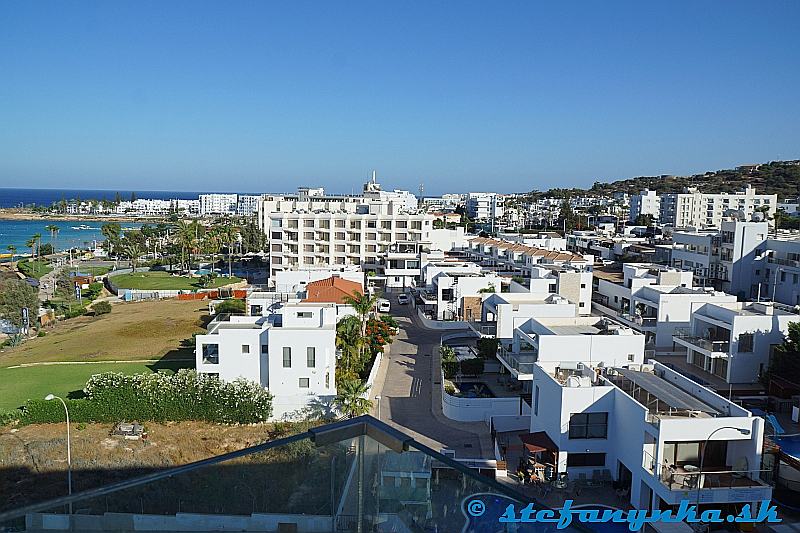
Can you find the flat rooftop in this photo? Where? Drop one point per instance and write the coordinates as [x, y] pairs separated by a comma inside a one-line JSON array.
[[580, 325]]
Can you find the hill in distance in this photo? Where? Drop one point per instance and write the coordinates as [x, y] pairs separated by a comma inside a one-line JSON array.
[[776, 177]]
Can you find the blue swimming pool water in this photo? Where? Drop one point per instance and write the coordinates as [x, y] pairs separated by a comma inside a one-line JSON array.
[[474, 390], [789, 444]]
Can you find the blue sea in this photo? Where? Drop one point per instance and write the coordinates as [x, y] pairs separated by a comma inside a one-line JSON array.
[[17, 232]]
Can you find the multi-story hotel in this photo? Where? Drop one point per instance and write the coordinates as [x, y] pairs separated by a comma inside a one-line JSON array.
[[693, 209]]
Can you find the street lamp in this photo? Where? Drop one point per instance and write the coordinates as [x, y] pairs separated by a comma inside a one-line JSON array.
[[69, 451], [378, 399], [743, 431]]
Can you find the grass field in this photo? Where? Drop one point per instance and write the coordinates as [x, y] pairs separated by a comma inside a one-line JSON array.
[[34, 269], [20, 384], [163, 280], [132, 331]]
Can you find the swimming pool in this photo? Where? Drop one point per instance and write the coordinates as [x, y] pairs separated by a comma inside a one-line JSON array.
[[470, 389], [790, 444]]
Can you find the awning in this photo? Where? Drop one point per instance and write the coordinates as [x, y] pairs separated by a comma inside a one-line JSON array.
[[538, 442]]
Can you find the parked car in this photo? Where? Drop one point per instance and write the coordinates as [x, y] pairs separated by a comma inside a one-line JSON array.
[[403, 299], [384, 306]]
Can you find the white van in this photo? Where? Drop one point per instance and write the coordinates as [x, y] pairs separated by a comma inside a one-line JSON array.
[[384, 306]]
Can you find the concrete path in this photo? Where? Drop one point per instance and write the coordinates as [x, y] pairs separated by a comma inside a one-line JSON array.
[[408, 383]]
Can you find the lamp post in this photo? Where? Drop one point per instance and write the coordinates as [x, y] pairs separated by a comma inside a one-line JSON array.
[[378, 399], [69, 451], [743, 431]]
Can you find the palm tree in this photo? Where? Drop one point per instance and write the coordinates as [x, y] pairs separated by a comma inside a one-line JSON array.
[[350, 398], [37, 238], [31, 243], [13, 249], [350, 342], [187, 236], [363, 304], [132, 249], [53, 229]]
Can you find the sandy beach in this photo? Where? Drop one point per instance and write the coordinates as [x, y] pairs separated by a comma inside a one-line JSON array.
[[21, 214]]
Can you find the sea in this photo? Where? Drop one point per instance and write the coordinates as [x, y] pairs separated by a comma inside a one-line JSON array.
[[17, 232]]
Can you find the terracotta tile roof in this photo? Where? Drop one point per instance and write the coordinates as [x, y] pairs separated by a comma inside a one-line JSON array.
[[331, 290], [528, 250]]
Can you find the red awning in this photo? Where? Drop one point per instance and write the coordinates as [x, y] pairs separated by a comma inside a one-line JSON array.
[[538, 442]]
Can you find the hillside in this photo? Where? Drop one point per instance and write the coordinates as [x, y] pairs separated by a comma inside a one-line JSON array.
[[777, 177]]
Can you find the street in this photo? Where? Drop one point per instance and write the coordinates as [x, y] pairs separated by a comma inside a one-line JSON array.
[[409, 400]]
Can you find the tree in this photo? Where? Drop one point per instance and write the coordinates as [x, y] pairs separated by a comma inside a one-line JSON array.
[[643, 220], [350, 400], [349, 342], [53, 229], [112, 232], [132, 249], [31, 243], [785, 359], [15, 295], [363, 304], [568, 218], [13, 250]]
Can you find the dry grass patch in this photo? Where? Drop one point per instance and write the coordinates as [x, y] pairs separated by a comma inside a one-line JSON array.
[[132, 331]]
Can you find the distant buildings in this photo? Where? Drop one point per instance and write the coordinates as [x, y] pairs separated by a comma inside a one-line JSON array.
[[484, 206], [645, 203], [694, 209]]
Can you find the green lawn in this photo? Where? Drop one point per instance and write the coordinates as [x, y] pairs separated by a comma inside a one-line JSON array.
[[163, 280], [20, 384], [34, 269]]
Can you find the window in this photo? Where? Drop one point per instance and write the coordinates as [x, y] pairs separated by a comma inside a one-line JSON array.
[[582, 304], [287, 357], [746, 342], [303, 383], [255, 310], [586, 459], [583, 285], [245, 348], [536, 401], [305, 314], [631, 357], [265, 348], [311, 357], [210, 354], [588, 426], [327, 380]]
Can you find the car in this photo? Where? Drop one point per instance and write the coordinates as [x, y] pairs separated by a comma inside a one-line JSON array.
[[384, 306], [403, 299]]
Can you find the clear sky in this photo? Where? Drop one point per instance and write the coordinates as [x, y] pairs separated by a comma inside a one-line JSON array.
[[506, 96]]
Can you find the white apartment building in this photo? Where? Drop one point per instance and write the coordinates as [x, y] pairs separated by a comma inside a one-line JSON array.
[[734, 340], [651, 430], [596, 340], [519, 259], [484, 206], [501, 313], [247, 204], [218, 204], [693, 209], [723, 258], [455, 290], [647, 202], [546, 240], [291, 352]]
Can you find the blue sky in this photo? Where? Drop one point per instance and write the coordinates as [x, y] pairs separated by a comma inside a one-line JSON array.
[[507, 96]]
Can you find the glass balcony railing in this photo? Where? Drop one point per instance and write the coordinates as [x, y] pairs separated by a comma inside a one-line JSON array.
[[686, 335], [521, 362], [357, 475]]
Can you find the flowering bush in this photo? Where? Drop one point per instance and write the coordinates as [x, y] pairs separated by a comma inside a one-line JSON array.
[[186, 395], [379, 334]]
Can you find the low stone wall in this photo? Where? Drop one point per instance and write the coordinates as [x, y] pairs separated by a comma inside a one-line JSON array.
[[373, 373], [477, 409]]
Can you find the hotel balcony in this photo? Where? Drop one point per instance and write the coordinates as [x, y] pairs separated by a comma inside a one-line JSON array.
[[714, 348], [335, 477]]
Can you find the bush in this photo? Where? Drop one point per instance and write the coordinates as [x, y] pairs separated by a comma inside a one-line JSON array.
[[469, 367], [159, 397], [232, 306], [487, 348], [74, 312], [101, 308], [41, 333]]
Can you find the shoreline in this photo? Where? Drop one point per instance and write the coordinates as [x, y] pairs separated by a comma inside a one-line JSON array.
[[16, 214]]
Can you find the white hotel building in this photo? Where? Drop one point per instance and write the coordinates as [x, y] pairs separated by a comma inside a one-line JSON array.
[[694, 209]]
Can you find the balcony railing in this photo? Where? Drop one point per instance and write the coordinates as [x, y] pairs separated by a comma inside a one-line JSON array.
[[521, 362], [682, 478], [784, 262], [717, 346], [324, 479]]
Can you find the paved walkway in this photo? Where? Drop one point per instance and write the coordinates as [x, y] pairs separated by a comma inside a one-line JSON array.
[[408, 384]]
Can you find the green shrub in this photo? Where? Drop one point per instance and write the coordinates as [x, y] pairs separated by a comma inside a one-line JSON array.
[[101, 308], [469, 367], [41, 333], [487, 348], [74, 312], [160, 397], [231, 306]]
